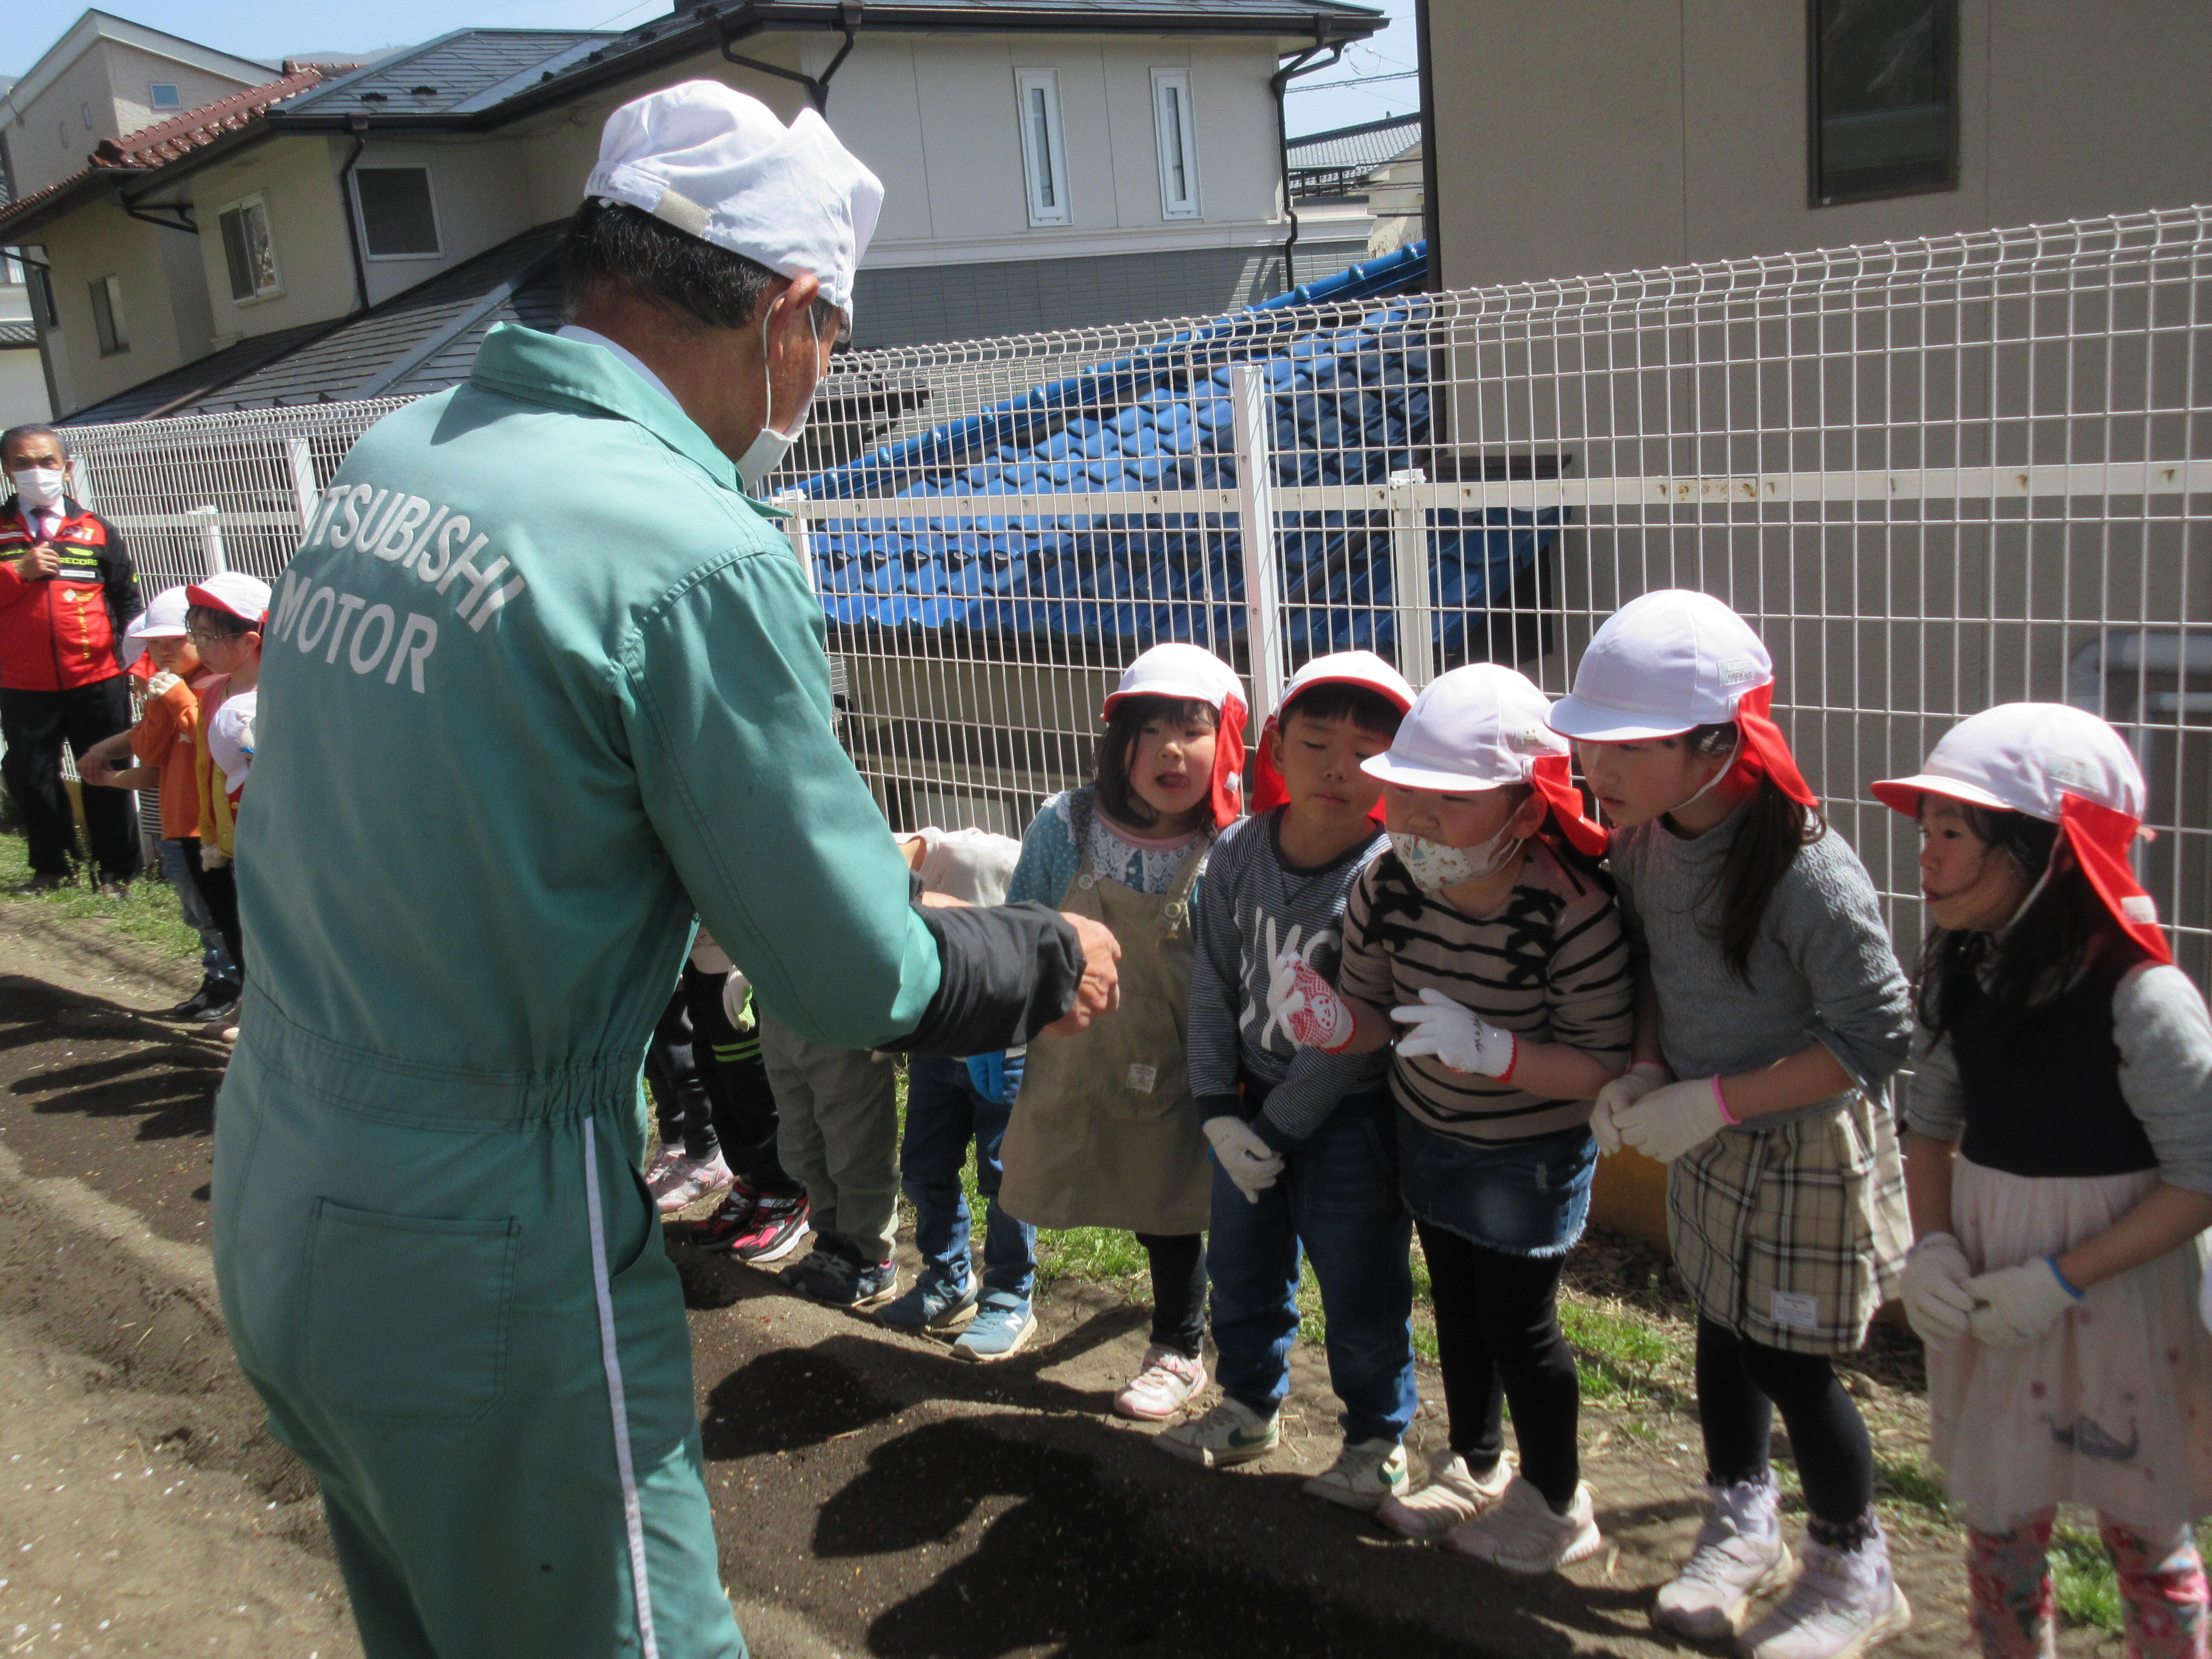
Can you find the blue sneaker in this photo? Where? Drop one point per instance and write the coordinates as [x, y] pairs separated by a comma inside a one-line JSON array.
[[1002, 1328], [828, 1276], [931, 1306]]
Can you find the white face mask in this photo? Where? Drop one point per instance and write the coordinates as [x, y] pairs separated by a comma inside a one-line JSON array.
[[38, 486], [1436, 867], [767, 452]]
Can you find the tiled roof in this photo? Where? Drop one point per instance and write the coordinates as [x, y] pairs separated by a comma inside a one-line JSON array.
[[1367, 145], [17, 336], [1352, 404], [440, 76], [157, 146], [446, 317]]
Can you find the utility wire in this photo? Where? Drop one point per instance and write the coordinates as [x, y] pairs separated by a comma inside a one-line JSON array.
[[1359, 81]]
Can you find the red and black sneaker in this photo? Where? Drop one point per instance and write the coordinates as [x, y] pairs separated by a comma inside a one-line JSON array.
[[726, 1221], [773, 1233]]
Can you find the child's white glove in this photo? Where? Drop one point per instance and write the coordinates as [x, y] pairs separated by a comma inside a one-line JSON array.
[[1245, 1158], [160, 682], [1455, 1035], [2014, 1306], [1670, 1122], [1938, 1303], [1618, 1095], [1307, 1006]]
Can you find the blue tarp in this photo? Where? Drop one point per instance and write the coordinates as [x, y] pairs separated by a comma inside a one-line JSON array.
[[1351, 405]]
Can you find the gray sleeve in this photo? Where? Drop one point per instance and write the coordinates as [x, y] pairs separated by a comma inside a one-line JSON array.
[[2165, 1039], [1216, 986], [1933, 1102], [1317, 1084], [1830, 923]]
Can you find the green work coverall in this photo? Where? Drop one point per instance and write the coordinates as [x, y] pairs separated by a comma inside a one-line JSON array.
[[540, 683]]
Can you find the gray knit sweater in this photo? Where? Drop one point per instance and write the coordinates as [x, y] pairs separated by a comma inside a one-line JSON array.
[[1822, 968]]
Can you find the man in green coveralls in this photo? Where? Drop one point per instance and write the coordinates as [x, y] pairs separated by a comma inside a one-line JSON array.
[[540, 685]]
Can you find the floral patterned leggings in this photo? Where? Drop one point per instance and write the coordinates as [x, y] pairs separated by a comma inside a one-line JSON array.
[[2162, 1587]]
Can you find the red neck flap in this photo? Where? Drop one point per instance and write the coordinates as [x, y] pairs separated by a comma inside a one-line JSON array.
[[2101, 839], [1764, 752]]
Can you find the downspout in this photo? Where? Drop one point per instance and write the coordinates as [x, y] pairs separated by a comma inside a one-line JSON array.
[[1280, 82], [357, 125], [817, 86], [1431, 215]]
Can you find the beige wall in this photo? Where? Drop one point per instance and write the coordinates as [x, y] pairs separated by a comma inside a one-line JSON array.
[[1591, 135], [298, 177], [131, 71], [112, 78], [98, 242], [480, 191]]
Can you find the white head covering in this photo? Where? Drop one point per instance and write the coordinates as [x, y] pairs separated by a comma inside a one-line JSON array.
[[717, 164], [2027, 758], [233, 591], [1663, 663], [163, 618], [1478, 728]]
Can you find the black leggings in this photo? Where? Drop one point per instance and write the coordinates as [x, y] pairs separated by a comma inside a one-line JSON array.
[[711, 1089], [219, 892], [1178, 1262], [1497, 1339], [1740, 1380]]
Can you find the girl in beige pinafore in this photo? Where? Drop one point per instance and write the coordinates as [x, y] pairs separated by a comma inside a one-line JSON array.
[[1104, 1131]]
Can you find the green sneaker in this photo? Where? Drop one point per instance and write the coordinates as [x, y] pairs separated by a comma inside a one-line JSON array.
[[1231, 1433]]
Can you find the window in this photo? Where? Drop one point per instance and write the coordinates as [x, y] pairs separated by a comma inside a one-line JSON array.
[[85, 110], [108, 316], [397, 219], [162, 95], [247, 250], [1044, 159], [1178, 142], [62, 129], [1885, 98]]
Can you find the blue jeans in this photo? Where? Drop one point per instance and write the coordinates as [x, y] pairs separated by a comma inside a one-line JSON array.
[[1337, 1197], [943, 1111], [1519, 1198], [215, 960]]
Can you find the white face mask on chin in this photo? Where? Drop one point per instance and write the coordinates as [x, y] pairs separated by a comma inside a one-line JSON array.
[[768, 451], [1436, 867], [39, 486]]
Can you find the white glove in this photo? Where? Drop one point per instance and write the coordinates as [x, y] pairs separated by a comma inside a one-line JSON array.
[[1938, 1304], [1245, 1158], [1670, 1122], [162, 680], [1307, 1006], [735, 989], [1624, 1091], [2014, 1306], [1455, 1035]]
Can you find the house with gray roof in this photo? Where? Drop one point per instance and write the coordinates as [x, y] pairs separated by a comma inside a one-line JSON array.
[[1048, 164]]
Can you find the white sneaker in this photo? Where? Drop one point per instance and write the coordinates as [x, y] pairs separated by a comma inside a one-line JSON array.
[[1232, 1432], [1522, 1533], [1365, 1473], [1452, 1495], [1843, 1603], [693, 1183], [1163, 1387], [659, 1171], [1738, 1557]]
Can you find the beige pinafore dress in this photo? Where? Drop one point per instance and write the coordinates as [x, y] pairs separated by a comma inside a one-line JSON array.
[[1104, 1131]]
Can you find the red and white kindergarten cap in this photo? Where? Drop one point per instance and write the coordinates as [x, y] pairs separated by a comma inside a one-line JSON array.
[[1484, 726], [1339, 668], [233, 591], [1669, 662], [1189, 672], [2060, 764]]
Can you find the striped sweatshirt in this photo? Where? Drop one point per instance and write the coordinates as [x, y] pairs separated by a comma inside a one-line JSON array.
[[1551, 963]]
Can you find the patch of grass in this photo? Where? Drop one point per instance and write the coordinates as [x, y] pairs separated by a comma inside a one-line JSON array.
[[1910, 1478], [2082, 1577], [1627, 1360], [148, 911]]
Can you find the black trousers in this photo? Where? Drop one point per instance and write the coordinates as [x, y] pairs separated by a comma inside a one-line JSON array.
[[1740, 1381], [1178, 1264], [219, 892], [709, 1098], [1498, 1339], [35, 725]]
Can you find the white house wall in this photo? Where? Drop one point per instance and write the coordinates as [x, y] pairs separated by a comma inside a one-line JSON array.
[[101, 242], [113, 78], [297, 178], [478, 193]]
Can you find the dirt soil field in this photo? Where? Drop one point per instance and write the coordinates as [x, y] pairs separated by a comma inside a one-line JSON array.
[[872, 1495]]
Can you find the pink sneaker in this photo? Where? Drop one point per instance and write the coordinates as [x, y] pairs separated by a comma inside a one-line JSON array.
[[660, 1168], [694, 1183], [1166, 1385]]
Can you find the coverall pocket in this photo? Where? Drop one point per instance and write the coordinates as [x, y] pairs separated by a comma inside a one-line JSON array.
[[407, 1316]]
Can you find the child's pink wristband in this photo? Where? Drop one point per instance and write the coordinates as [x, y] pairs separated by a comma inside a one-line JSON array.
[[1720, 1101]]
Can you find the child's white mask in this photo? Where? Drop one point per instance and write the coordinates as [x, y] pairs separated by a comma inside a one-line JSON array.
[[1435, 866]]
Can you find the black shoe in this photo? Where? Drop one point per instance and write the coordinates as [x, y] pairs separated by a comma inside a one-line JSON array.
[[43, 881], [212, 994], [220, 1014]]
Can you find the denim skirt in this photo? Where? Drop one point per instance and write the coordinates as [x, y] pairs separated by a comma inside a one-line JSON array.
[[1518, 1198]]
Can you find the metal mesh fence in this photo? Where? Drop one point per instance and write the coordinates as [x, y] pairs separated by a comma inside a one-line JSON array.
[[1936, 475]]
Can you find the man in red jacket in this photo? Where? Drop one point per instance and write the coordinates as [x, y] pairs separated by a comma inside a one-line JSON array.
[[67, 592]]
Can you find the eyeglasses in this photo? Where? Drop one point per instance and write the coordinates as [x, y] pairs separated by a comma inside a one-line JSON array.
[[203, 636]]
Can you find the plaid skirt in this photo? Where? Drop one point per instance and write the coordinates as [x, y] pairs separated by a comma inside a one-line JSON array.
[[1795, 1235]]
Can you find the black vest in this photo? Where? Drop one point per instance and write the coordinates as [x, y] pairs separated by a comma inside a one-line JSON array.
[[2043, 1091]]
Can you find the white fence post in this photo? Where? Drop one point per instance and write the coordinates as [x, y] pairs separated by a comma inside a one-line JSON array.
[[1409, 578], [212, 562], [302, 455], [1252, 405], [794, 502]]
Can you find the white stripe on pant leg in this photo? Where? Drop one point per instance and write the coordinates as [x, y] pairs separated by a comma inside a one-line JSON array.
[[633, 1518]]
